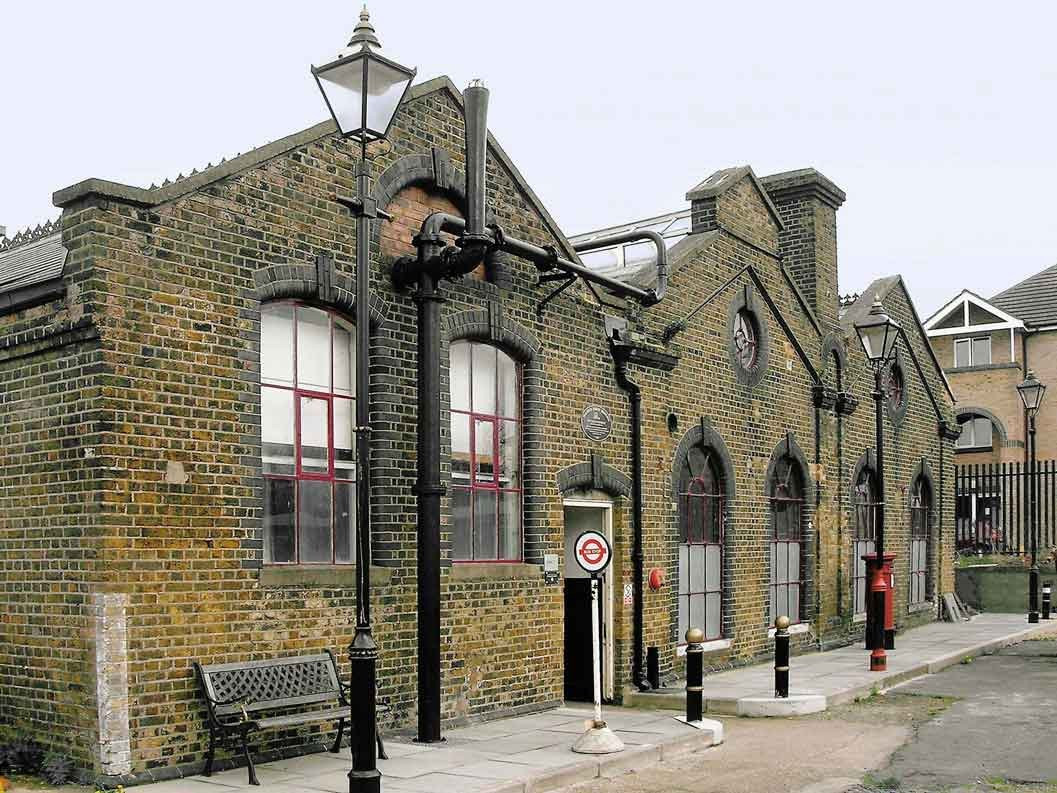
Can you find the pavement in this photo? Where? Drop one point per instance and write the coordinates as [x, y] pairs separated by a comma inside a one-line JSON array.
[[842, 675], [523, 754]]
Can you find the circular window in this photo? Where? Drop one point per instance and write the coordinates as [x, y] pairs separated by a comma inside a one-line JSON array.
[[893, 386], [894, 389], [746, 340]]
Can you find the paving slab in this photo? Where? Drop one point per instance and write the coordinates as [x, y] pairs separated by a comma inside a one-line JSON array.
[[523, 754]]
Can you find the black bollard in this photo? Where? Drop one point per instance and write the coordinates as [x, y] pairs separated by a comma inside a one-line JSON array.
[[695, 657], [653, 667], [781, 657], [1046, 599]]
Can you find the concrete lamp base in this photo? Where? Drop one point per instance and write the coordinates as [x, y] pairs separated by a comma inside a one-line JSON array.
[[598, 739]]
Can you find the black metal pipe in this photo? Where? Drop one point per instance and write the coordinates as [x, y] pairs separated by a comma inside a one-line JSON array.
[[653, 666], [543, 258], [619, 353], [475, 117], [430, 490], [634, 236]]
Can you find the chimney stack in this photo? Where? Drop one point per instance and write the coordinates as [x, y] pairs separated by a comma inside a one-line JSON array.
[[808, 203]]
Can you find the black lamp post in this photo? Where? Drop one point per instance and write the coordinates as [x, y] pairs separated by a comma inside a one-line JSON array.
[[363, 91], [878, 334], [1031, 393]]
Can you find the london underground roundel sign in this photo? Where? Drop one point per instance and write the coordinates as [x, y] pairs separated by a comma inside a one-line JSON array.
[[593, 552]]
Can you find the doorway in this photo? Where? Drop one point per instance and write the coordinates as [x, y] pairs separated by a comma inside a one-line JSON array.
[[581, 516]]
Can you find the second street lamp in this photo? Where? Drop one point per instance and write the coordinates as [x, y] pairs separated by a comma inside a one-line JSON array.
[[1031, 393], [878, 333], [363, 91]]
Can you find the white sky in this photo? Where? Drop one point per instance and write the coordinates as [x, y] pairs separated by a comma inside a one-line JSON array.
[[938, 119]]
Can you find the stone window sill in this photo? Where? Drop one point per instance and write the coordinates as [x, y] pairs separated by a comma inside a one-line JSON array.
[[916, 607], [857, 618], [495, 571], [714, 646], [320, 576], [800, 627]]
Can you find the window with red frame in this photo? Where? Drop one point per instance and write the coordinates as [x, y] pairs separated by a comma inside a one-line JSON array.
[[920, 518], [308, 397], [485, 453], [787, 504], [701, 545]]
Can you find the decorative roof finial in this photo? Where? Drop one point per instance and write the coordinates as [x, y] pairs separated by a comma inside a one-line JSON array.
[[363, 34]]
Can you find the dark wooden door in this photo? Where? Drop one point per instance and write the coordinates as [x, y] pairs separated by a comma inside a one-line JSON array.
[[579, 685]]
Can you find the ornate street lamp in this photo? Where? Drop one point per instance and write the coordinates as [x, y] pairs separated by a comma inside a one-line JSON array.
[[363, 91], [1031, 393], [878, 334]]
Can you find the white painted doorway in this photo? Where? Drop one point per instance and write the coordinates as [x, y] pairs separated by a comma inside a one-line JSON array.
[[583, 514]]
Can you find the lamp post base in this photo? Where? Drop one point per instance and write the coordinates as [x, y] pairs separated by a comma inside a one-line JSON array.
[[365, 781], [878, 660]]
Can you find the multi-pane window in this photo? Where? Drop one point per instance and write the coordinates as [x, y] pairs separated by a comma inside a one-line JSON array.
[[485, 453], [307, 443], [746, 339], [976, 433], [787, 503], [920, 517], [700, 544], [867, 504], [972, 352]]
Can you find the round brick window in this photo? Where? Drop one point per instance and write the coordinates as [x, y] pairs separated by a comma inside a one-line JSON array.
[[747, 340]]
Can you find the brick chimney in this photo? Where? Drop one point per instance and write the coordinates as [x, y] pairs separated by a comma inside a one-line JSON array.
[[808, 203]]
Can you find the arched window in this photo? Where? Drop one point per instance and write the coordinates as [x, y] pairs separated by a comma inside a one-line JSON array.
[[787, 502], [920, 532], [867, 503], [307, 408], [485, 453], [976, 432], [701, 544]]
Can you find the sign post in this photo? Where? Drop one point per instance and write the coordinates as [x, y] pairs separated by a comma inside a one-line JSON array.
[[593, 553]]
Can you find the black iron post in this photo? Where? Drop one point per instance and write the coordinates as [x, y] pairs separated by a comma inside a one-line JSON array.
[[653, 667], [363, 652], [1033, 576], [781, 657], [695, 678], [878, 586], [1046, 585]]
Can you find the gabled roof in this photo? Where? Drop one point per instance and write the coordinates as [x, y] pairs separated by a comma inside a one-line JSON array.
[[150, 197], [1033, 300], [961, 303], [31, 258], [721, 181], [878, 290]]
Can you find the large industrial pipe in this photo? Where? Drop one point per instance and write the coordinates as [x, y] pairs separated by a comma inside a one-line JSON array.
[[635, 236]]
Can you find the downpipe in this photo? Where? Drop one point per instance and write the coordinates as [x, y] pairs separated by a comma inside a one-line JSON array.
[[635, 403]]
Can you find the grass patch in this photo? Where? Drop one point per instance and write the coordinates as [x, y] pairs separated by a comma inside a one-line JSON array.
[[999, 559]]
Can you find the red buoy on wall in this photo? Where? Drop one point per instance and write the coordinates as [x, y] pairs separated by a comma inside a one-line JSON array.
[[656, 578]]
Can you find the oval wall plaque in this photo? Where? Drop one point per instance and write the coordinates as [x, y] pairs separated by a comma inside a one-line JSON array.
[[596, 423]]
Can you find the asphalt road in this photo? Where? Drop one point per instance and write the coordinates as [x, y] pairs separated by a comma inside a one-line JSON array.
[[1000, 731]]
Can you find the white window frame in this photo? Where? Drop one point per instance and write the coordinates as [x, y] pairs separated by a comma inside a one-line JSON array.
[[971, 342]]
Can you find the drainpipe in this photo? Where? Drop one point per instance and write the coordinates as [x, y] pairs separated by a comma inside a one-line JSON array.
[[620, 350]]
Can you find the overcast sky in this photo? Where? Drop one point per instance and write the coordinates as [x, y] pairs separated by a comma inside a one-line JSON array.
[[937, 119]]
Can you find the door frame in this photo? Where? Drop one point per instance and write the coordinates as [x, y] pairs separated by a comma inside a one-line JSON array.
[[608, 649]]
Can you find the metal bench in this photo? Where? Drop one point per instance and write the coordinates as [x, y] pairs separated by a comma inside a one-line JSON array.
[[302, 689]]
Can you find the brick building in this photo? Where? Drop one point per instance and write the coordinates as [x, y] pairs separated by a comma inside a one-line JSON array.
[[176, 400], [986, 348]]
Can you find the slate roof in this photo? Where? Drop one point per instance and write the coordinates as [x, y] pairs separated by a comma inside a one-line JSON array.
[[1033, 300], [31, 257]]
